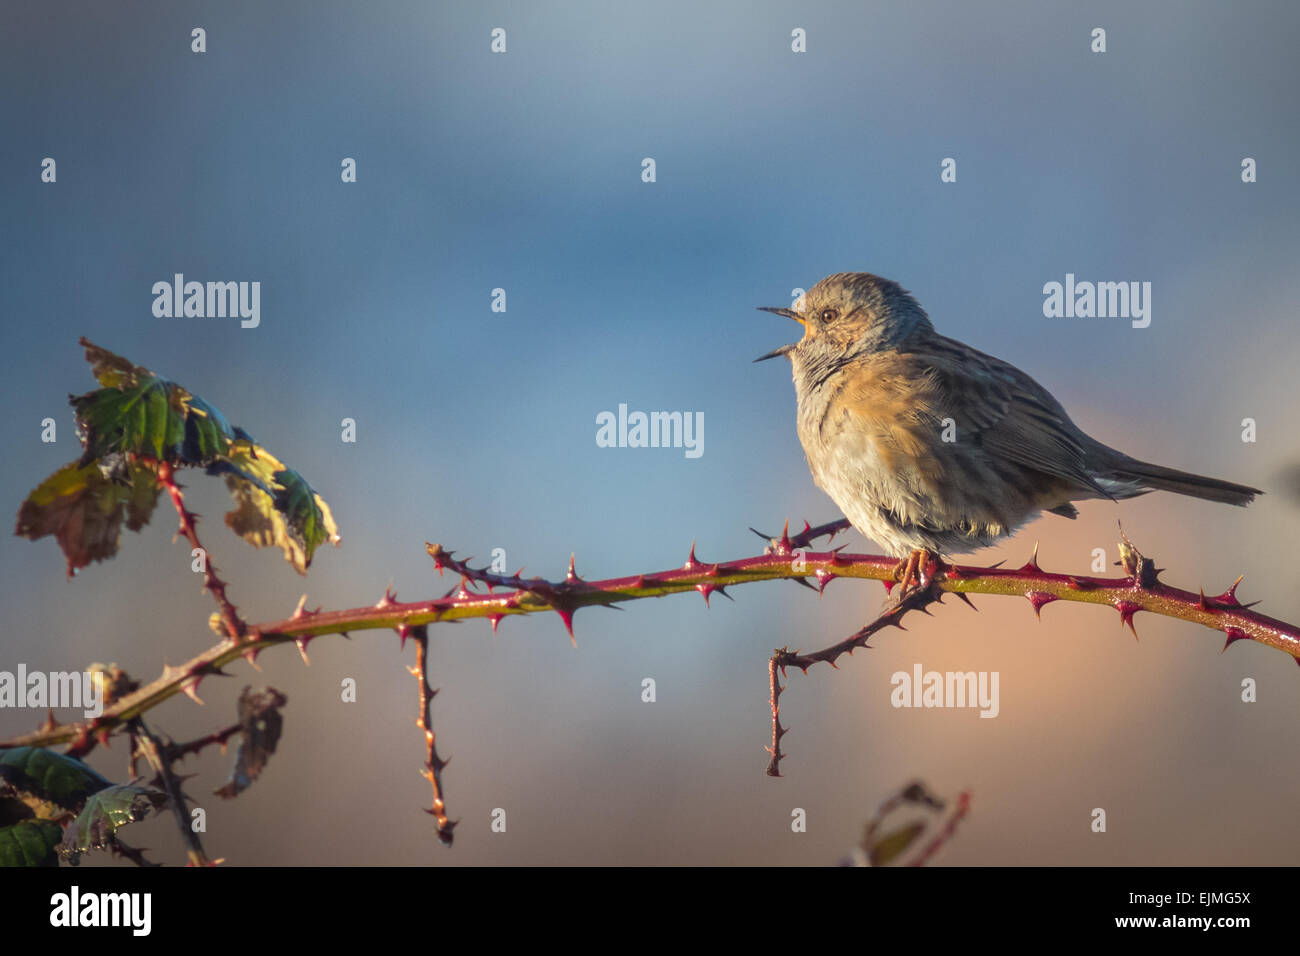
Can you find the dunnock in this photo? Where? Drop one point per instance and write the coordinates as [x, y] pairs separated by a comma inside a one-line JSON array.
[[927, 445]]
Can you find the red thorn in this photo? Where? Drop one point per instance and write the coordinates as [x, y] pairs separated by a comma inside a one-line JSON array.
[[785, 538], [302, 649], [705, 589], [889, 586], [566, 615], [403, 632], [251, 656], [494, 620], [835, 555], [1236, 634], [1126, 611], [1032, 563], [1037, 599], [1079, 584], [824, 578], [573, 574], [1226, 601], [690, 559]]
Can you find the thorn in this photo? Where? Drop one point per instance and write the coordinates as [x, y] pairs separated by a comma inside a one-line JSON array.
[[572, 575], [494, 620], [835, 554], [191, 689], [566, 615], [785, 538], [403, 632], [690, 559], [1228, 598], [1235, 634], [964, 597], [705, 589], [1126, 611], [389, 598], [889, 587], [824, 578], [1038, 599], [302, 649], [250, 655], [803, 583], [1032, 563], [1079, 584]]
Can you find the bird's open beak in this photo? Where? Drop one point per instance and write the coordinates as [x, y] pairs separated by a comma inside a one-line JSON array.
[[785, 349]]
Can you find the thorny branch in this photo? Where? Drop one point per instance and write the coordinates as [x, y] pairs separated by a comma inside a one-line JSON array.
[[234, 624], [152, 750], [1138, 589], [433, 764]]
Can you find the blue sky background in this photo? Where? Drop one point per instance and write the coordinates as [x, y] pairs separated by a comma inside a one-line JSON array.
[[477, 429]]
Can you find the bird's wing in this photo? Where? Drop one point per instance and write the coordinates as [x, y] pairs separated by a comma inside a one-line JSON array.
[[1011, 415]]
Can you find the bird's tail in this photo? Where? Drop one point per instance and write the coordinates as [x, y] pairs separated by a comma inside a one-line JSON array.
[[1149, 477]]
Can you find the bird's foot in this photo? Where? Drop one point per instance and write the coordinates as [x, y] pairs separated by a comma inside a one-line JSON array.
[[916, 570]]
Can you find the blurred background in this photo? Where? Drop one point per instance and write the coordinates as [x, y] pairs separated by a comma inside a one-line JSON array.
[[476, 429]]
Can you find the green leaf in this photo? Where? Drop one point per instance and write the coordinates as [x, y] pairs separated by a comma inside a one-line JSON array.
[[50, 783], [84, 509], [153, 418], [106, 812], [274, 506], [138, 420], [30, 843]]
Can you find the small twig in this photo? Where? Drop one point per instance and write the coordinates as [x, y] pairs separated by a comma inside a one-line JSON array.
[[785, 544], [890, 615], [131, 853], [171, 786], [234, 624], [433, 764], [945, 834], [173, 751]]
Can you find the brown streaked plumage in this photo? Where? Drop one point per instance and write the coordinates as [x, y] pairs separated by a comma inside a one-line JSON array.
[[926, 444]]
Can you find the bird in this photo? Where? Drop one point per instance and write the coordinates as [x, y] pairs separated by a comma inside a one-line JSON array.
[[932, 448]]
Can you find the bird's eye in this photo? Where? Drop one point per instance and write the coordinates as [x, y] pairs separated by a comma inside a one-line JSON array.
[[829, 315]]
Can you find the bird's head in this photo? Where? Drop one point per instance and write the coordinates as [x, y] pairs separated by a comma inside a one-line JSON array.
[[850, 314]]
